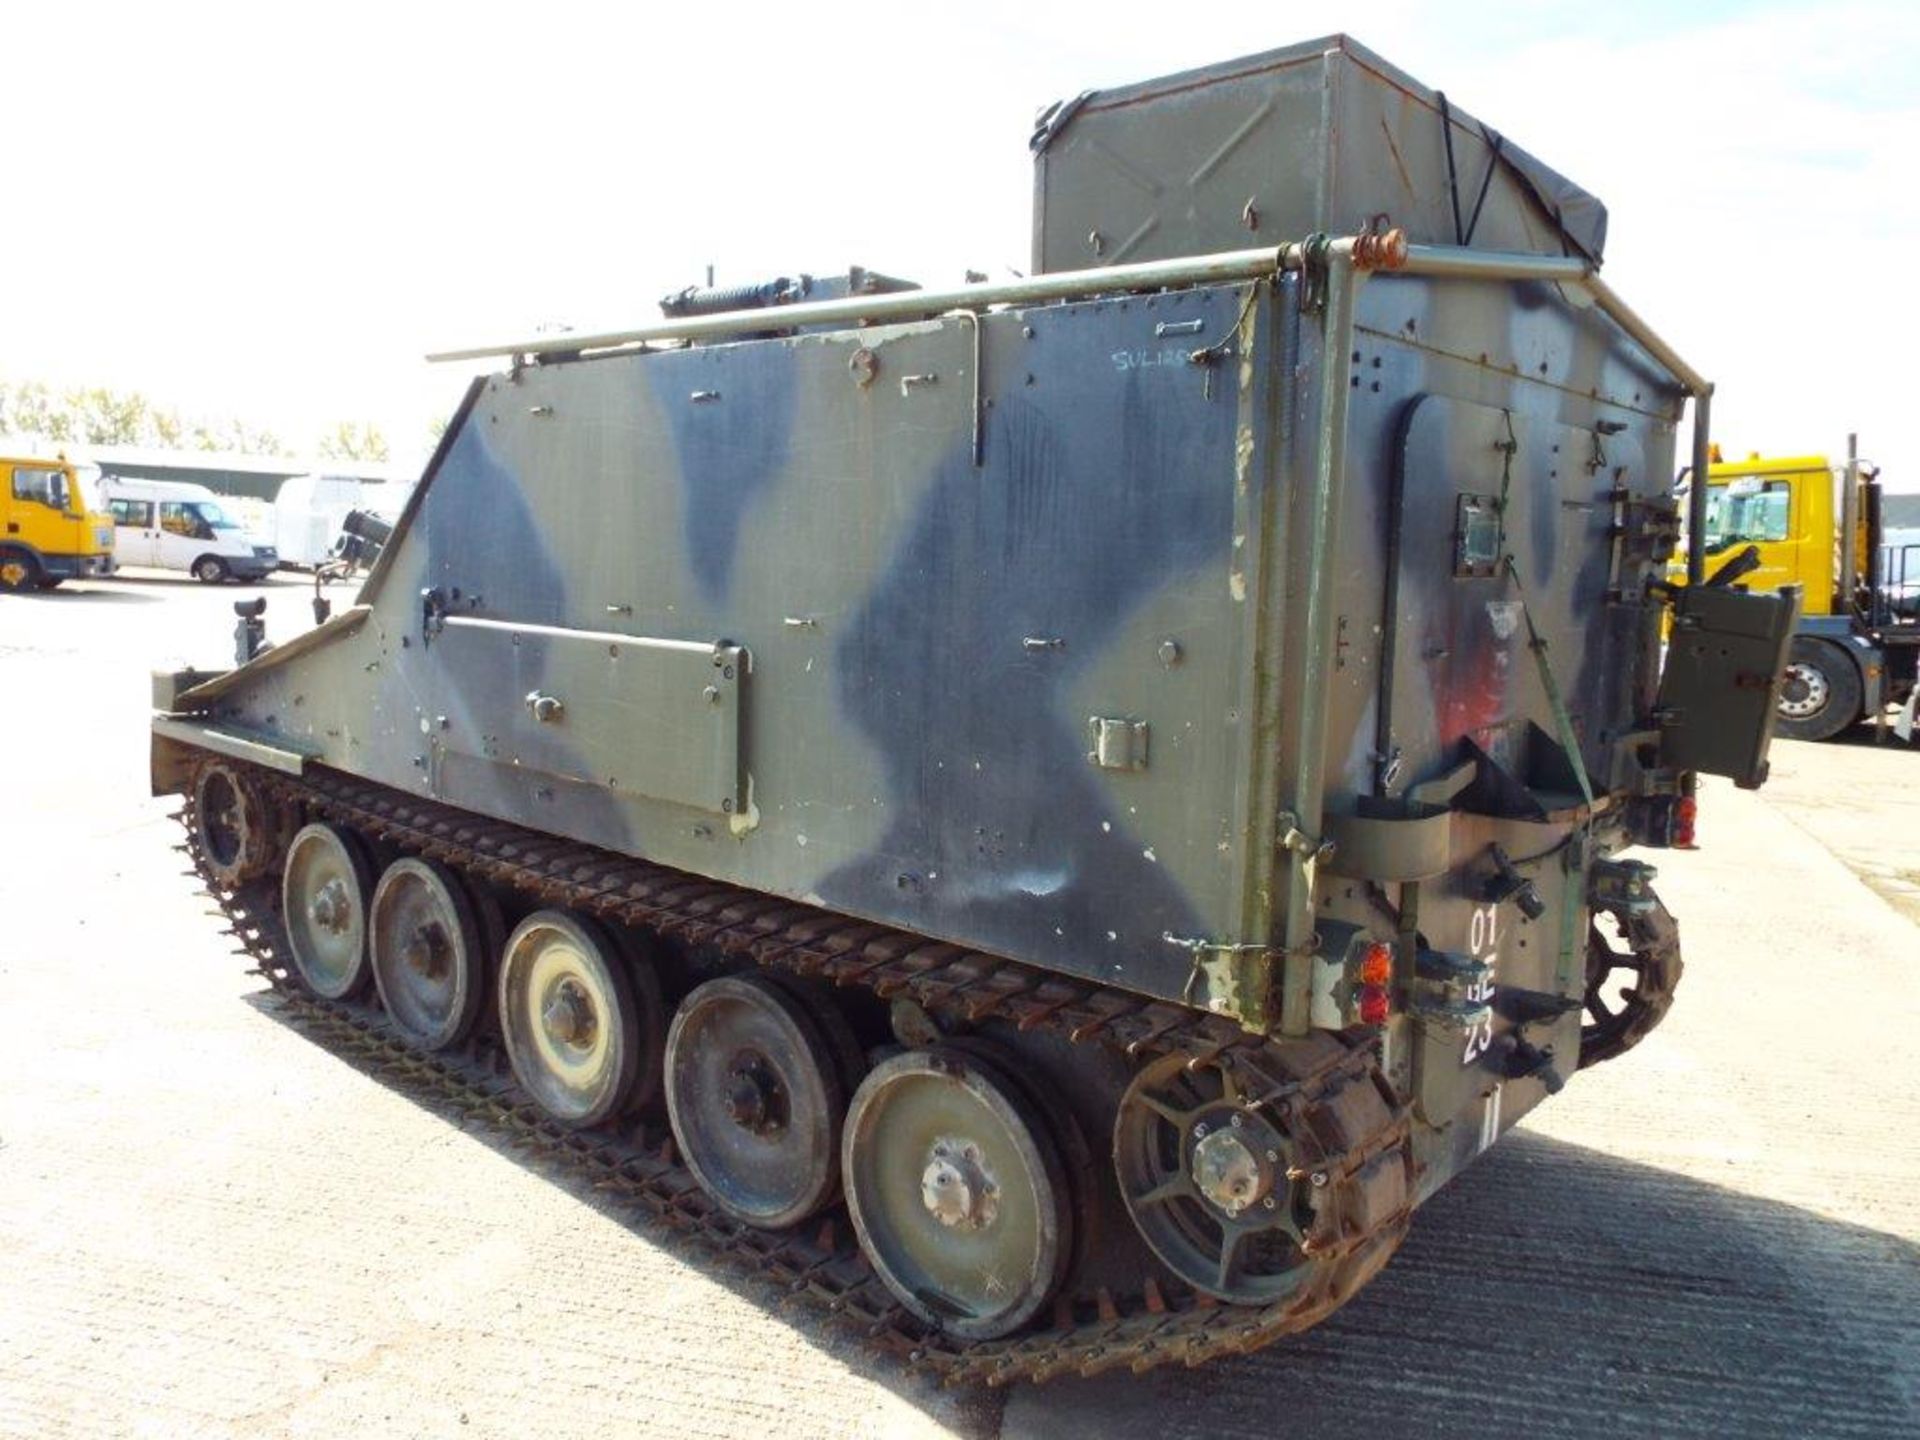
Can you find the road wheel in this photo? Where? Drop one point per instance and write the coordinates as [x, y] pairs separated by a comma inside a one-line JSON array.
[[323, 893], [18, 570], [582, 1023], [756, 1096], [957, 1191], [427, 952], [1820, 693], [210, 570]]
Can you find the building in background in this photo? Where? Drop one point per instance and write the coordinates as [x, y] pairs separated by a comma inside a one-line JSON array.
[[256, 477]]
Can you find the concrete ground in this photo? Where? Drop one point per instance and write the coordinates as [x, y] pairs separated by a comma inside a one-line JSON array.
[[210, 1227]]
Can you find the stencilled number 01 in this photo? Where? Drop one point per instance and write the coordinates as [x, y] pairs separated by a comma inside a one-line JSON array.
[[1483, 944]]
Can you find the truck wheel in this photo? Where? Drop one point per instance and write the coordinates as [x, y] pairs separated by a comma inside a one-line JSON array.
[[1820, 695], [18, 570], [210, 570]]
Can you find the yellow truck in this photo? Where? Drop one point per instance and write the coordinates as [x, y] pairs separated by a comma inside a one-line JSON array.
[[53, 524], [1818, 524]]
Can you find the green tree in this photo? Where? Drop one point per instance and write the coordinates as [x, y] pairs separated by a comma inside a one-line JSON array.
[[97, 415], [108, 417], [348, 441], [29, 408]]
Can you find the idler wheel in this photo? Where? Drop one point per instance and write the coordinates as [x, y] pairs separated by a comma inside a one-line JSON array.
[[323, 892], [1213, 1182], [957, 1192], [581, 1022], [756, 1097], [428, 952], [232, 824]]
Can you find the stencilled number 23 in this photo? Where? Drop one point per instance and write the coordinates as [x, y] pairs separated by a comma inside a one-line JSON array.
[[1483, 944]]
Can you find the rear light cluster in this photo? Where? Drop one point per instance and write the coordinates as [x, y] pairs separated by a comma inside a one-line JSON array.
[[1664, 822], [1686, 813], [1375, 975]]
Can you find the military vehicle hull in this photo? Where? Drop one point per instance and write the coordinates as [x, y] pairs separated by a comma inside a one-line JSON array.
[[1112, 785]]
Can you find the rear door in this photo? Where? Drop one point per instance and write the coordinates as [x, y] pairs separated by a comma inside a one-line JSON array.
[[1506, 523]]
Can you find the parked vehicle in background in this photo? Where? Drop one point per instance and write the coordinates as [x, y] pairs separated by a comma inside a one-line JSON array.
[[174, 526], [1817, 523], [254, 516], [310, 510], [53, 523]]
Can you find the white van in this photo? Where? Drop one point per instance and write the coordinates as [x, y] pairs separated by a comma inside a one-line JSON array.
[[174, 526]]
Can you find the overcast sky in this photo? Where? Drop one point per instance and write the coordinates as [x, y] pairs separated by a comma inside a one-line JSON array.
[[272, 212]]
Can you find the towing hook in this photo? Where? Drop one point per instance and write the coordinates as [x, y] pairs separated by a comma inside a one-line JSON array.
[[1507, 883]]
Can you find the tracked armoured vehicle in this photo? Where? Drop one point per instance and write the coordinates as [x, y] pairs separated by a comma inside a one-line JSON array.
[[1043, 818]]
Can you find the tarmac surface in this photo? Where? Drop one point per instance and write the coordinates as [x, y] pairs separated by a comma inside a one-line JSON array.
[[208, 1226]]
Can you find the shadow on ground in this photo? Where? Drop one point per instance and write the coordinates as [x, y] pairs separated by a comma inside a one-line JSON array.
[[1552, 1291], [1869, 736], [972, 1412], [1556, 1291], [83, 594]]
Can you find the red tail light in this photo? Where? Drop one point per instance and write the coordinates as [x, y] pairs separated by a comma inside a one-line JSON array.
[[1686, 810], [1373, 977]]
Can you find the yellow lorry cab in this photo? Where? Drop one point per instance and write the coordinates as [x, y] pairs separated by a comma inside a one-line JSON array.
[[54, 524]]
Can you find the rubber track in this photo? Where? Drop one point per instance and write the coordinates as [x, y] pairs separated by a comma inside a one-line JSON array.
[[817, 1264]]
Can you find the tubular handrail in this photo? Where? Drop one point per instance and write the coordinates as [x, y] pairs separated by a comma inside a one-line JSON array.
[[1359, 255]]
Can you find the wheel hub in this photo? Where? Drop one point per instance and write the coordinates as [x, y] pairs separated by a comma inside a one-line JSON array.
[[330, 908], [1229, 1172], [568, 1015], [1804, 691], [426, 951], [755, 1101], [957, 1187]]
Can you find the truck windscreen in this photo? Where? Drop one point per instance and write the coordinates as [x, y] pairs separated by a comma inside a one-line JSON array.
[[1745, 512]]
